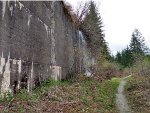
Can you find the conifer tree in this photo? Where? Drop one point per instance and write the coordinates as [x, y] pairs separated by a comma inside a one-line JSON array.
[[124, 57], [92, 27], [137, 44], [136, 51]]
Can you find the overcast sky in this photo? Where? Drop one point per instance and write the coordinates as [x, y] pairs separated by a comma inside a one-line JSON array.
[[120, 18]]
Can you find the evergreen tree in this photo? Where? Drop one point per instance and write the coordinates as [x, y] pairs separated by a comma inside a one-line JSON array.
[[127, 57], [138, 47], [118, 57], [124, 58], [137, 44], [134, 53], [92, 27]]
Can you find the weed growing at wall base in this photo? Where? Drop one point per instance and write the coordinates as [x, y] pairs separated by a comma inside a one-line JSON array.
[[79, 95], [7, 97]]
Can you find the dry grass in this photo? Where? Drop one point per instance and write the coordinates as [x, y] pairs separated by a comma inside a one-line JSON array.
[[80, 95], [138, 94]]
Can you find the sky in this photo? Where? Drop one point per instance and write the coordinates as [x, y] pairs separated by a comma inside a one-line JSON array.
[[120, 18]]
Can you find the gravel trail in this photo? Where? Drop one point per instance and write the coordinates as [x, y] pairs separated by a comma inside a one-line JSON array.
[[121, 100]]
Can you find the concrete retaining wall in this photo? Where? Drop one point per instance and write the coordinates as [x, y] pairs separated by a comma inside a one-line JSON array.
[[37, 41]]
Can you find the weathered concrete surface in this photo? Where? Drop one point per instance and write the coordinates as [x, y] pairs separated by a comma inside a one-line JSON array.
[[121, 100], [37, 41]]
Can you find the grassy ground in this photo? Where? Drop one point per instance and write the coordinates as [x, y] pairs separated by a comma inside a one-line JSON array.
[[80, 95], [138, 94]]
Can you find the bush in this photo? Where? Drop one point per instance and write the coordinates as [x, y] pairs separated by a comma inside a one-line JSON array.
[[141, 67], [109, 70]]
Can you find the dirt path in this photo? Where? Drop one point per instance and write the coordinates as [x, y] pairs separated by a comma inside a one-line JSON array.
[[121, 99]]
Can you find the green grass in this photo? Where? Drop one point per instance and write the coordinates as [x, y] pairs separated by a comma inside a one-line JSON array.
[[107, 92], [101, 95], [6, 98], [129, 80], [35, 94], [93, 95]]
